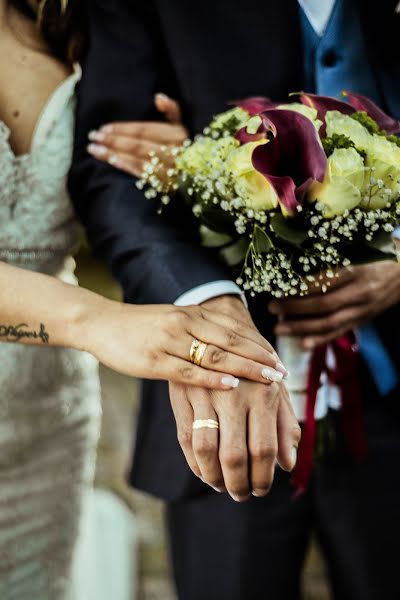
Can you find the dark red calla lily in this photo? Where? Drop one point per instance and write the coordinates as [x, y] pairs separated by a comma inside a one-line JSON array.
[[265, 129], [293, 159], [324, 103], [361, 103], [255, 104]]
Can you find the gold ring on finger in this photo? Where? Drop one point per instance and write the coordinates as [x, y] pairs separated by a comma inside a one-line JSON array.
[[197, 352], [205, 424]]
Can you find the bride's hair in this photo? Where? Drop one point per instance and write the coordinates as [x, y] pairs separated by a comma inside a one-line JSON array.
[[62, 23]]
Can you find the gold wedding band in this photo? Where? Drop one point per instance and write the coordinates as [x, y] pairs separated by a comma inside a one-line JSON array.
[[205, 424], [197, 352]]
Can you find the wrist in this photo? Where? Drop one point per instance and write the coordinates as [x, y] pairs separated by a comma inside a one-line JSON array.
[[229, 304], [84, 320]]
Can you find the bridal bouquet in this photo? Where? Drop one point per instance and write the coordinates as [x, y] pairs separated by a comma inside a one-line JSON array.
[[288, 194]]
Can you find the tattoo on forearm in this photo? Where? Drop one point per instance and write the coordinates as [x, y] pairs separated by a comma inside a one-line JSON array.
[[15, 333]]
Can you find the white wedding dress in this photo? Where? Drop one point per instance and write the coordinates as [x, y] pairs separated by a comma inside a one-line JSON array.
[[49, 397]]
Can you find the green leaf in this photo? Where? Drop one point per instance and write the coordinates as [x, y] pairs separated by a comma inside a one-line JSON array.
[[213, 217], [286, 229], [213, 239], [383, 242], [235, 253], [374, 251], [261, 240]]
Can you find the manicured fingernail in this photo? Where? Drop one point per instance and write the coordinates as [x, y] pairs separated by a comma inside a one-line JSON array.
[[161, 96], [230, 381], [259, 493], [107, 128], [219, 490], [97, 149], [97, 136], [114, 161], [294, 457], [308, 344], [282, 369], [272, 375]]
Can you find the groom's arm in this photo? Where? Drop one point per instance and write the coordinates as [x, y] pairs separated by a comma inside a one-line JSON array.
[[156, 259]]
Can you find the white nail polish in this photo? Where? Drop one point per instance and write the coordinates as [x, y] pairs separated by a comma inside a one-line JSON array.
[[230, 381], [114, 160], [281, 368], [96, 136], [294, 456], [162, 96], [272, 375], [97, 149], [107, 128]]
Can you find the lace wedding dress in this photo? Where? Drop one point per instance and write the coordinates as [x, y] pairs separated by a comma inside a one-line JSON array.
[[49, 397]]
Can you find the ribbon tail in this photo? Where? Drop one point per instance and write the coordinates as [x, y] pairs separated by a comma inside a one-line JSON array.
[[305, 458], [352, 414]]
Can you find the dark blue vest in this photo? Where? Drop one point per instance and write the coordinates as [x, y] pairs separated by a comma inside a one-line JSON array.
[[336, 61]]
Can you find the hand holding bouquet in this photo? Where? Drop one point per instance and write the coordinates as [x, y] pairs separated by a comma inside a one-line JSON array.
[[289, 194]]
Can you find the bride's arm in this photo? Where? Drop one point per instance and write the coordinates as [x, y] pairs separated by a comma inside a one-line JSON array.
[[146, 341]]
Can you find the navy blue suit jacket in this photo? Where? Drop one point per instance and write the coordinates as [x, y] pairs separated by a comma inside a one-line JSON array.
[[203, 53]]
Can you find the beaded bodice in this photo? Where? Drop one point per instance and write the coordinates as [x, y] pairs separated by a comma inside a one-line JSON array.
[[38, 226]]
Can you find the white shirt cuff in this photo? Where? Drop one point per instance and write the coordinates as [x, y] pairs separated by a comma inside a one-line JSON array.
[[207, 291]]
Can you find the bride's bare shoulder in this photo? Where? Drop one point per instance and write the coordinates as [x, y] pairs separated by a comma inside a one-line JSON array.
[[28, 75]]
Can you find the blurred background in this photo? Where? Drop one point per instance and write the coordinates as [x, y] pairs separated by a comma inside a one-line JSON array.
[[120, 404]]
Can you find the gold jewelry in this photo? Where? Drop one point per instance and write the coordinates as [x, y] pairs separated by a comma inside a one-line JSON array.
[[205, 424], [197, 352]]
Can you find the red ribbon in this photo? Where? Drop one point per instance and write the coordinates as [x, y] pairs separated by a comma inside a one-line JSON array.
[[346, 376]]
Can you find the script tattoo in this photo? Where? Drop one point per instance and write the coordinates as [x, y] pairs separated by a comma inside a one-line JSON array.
[[15, 333]]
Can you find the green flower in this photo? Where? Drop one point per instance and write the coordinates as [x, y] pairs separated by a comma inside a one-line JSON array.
[[383, 184], [343, 183], [250, 185], [340, 124], [230, 120], [308, 111], [205, 155]]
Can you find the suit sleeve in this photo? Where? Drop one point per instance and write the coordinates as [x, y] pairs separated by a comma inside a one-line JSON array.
[[155, 258]]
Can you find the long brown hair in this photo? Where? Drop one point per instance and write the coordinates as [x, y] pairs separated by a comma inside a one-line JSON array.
[[63, 24]]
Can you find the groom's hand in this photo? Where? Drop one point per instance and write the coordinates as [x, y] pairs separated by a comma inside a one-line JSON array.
[[356, 296], [257, 428]]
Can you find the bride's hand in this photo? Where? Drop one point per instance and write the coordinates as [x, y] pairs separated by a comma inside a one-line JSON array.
[[127, 145], [154, 342]]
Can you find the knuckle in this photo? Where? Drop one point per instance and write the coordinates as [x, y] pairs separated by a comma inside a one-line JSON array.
[[233, 458], [271, 395], [133, 147], [185, 438], [186, 372], [232, 338], [204, 447], [216, 356], [264, 452], [141, 130], [332, 321], [370, 291], [178, 319]]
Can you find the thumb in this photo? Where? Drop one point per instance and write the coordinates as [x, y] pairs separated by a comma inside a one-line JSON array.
[[169, 107]]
